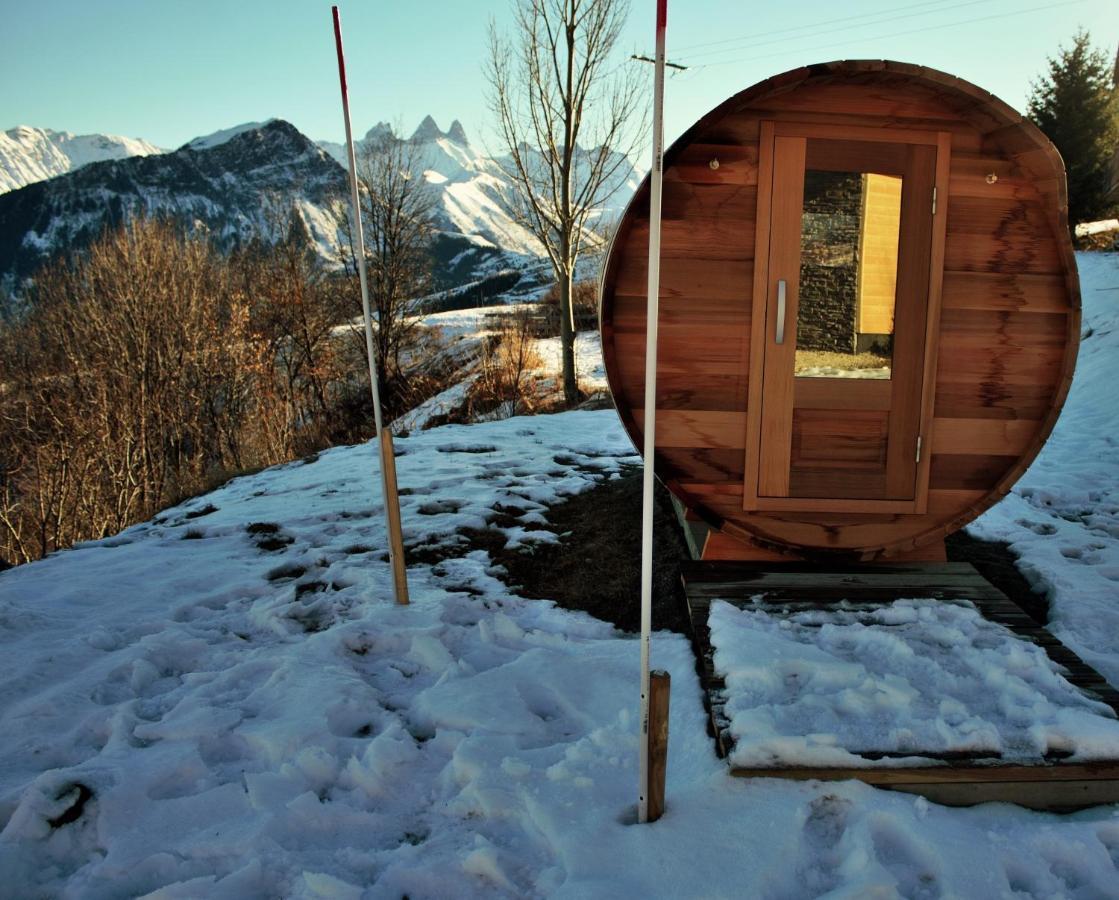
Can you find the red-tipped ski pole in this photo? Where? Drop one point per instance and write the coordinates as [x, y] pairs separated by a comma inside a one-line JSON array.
[[651, 773], [384, 436]]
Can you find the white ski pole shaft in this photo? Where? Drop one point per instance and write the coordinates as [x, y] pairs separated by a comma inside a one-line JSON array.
[[651, 407], [388, 487]]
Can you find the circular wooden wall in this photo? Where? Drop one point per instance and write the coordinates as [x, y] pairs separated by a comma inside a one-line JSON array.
[[1009, 307]]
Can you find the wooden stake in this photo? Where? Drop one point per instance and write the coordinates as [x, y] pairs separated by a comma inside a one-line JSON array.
[[660, 683], [392, 511]]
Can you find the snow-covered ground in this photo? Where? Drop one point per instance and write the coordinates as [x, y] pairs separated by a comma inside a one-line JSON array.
[[225, 702], [1062, 517]]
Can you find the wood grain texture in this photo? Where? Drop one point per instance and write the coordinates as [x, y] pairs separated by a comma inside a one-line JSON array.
[[660, 687], [1005, 336]]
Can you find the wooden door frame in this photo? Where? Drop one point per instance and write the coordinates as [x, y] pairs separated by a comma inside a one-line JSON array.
[[769, 130]]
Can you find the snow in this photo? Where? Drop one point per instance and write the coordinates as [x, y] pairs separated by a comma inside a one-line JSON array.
[[440, 404], [1084, 229], [217, 138], [30, 154], [1062, 517], [816, 687], [589, 368], [225, 702]]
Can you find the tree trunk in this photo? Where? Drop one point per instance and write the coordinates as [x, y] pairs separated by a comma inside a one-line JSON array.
[[567, 342]]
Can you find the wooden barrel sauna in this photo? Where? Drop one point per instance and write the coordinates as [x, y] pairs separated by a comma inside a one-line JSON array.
[[869, 311]]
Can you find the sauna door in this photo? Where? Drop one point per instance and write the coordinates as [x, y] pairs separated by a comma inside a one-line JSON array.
[[844, 267]]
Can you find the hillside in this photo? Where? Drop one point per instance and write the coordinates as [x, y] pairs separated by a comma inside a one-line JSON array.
[[235, 190], [236, 183], [225, 702]]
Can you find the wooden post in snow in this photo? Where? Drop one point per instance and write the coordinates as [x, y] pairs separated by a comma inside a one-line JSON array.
[[384, 437], [660, 684], [646, 772]]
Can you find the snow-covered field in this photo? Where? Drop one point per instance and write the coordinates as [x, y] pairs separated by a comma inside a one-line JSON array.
[[224, 702]]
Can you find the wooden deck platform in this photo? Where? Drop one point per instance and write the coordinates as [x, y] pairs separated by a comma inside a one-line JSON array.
[[956, 779]]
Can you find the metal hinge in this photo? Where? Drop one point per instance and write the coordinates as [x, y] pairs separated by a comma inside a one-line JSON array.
[[934, 201], [918, 448]]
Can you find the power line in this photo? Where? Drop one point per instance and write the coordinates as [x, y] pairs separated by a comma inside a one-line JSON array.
[[797, 37], [1005, 15], [869, 15]]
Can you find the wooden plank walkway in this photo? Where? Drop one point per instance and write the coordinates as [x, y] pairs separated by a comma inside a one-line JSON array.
[[953, 779]]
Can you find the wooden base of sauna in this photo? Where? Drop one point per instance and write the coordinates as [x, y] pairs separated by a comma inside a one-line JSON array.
[[953, 782], [711, 545]]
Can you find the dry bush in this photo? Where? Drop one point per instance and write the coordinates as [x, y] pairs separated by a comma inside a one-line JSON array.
[[584, 300], [397, 210], [301, 367], [151, 368], [123, 387], [505, 383]]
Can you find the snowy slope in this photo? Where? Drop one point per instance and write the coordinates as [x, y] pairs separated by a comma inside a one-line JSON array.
[[34, 154], [1062, 517], [224, 702], [217, 138]]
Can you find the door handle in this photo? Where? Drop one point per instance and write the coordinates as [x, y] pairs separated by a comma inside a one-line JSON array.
[[780, 336]]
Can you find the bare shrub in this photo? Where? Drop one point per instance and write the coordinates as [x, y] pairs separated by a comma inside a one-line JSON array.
[[397, 206], [150, 368], [505, 382], [123, 387], [584, 306]]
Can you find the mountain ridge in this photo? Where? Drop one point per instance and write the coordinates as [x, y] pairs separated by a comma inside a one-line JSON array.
[[29, 154], [231, 182]]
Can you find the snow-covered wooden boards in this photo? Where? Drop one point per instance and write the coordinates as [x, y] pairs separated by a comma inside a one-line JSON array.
[[793, 593]]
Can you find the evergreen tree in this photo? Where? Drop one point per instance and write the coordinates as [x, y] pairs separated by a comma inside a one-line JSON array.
[[1077, 106]]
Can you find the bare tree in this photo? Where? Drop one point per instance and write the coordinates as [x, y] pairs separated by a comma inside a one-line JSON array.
[[296, 305], [122, 389], [397, 207], [568, 125]]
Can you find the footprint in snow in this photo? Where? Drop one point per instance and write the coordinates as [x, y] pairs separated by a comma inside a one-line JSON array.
[[1040, 528], [911, 864], [466, 448], [437, 507]]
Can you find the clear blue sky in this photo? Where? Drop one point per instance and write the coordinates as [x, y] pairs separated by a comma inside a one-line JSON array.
[[170, 70]]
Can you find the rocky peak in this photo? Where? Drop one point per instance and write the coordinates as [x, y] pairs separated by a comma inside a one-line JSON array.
[[427, 131], [457, 134]]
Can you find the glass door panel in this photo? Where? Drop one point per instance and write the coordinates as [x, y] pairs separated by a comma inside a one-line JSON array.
[[848, 276], [850, 227]]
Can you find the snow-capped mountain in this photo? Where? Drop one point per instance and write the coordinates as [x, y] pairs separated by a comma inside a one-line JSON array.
[[234, 190], [470, 186], [31, 154], [479, 235], [232, 183], [222, 136]]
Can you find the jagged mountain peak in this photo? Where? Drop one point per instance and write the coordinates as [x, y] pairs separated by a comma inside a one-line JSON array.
[[427, 131], [379, 132], [457, 133]]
